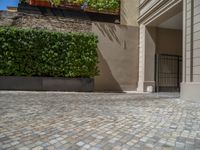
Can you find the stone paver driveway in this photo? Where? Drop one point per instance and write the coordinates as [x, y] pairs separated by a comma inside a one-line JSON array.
[[73, 121]]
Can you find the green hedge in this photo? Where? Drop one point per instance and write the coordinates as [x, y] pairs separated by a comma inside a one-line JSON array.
[[27, 52]]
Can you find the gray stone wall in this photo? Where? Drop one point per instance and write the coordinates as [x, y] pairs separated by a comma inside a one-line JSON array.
[[188, 38], [196, 53], [190, 86], [60, 24], [192, 31]]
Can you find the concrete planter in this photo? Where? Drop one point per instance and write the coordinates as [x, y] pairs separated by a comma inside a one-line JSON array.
[[68, 13], [46, 84], [109, 12], [39, 3], [65, 5]]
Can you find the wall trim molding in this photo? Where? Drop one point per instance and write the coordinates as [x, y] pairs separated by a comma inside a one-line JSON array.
[[191, 41], [157, 10], [143, 4]]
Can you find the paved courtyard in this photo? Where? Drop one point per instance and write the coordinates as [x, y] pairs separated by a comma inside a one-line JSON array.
[[97, 121]]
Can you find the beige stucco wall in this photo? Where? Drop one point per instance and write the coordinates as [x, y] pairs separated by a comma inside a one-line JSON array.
[[129, 12], [169, 41], [118, 57]]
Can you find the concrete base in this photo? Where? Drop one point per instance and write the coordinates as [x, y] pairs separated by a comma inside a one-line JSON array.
[[47, 84], [190, 91], [145, 86]]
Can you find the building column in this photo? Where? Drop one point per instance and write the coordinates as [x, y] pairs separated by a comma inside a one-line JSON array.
[[147, 50], [190, 86]]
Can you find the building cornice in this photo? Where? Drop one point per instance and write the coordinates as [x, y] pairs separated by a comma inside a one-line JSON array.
[[160, 6], [143, 4], [152, 9]]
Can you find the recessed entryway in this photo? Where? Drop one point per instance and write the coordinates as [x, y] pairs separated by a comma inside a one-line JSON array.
[[168, 60], [161, 47]]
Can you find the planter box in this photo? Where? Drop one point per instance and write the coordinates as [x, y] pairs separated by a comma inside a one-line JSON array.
[[68, 13], [69, 6], [63, 5], [110, 12], [46, 84], [41, 3]]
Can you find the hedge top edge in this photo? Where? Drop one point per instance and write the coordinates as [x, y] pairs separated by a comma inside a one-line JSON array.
[[46, 31]]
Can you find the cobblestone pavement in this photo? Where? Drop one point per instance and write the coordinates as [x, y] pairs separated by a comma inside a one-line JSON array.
[[73, 121]]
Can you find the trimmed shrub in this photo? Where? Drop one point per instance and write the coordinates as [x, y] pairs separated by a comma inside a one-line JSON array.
[[28, 52]]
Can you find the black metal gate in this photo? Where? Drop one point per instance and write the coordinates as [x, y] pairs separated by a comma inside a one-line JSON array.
[[168, 75]]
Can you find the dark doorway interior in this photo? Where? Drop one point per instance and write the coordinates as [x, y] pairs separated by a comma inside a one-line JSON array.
[[168, 75]]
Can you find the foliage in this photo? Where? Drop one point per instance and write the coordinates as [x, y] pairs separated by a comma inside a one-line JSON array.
[[104, 4], [77, 2], [24, 1], [27, 52], [99, 5], [56, 2]]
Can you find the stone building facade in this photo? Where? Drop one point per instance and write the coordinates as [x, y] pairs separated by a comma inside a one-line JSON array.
[[158, 13], [191, 50]]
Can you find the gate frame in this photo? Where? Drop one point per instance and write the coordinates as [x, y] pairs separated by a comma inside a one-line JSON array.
[[157, 71]]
